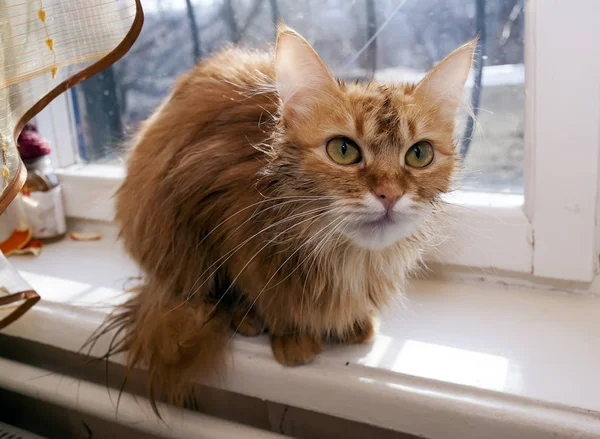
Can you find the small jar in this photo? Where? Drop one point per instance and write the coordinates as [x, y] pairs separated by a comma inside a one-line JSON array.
[[42, 199]]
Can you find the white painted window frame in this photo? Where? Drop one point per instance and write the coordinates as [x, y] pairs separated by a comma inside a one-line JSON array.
[[549, 232]]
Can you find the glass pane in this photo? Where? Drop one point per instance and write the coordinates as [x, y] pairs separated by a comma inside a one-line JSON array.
[[391, 40]]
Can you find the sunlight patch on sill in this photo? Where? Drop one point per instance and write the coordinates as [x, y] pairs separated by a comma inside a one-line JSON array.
[[377, 353], [459, 366], [60, 290]]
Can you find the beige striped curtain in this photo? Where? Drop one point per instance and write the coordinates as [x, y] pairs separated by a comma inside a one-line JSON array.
[[46, 47]]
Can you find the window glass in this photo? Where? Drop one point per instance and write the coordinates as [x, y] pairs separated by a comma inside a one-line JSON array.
[[391, 40]]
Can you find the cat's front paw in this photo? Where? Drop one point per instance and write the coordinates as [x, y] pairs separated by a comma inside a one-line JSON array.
[[247, 322], [361, 331], [295, 350]]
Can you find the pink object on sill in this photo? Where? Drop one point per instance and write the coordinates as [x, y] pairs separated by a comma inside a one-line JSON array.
[[31, 144]]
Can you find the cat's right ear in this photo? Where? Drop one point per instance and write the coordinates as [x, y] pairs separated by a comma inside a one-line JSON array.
[[444, 84], [302, 78]]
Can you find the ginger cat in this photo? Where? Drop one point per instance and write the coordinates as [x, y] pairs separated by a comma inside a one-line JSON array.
[[265, 195]]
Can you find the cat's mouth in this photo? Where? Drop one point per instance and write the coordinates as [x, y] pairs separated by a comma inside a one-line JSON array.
[[377, 232], [387, 219]]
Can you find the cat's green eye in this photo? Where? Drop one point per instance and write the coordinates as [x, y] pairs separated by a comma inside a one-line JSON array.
[[343, 151], [419, 155]]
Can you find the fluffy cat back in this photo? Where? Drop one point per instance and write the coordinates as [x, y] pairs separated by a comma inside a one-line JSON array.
[[196, 145]]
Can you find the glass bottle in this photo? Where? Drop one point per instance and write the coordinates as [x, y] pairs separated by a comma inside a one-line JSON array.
[[41, 196]]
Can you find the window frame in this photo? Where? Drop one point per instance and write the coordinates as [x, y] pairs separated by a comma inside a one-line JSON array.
[[561, 192], [524, 234]]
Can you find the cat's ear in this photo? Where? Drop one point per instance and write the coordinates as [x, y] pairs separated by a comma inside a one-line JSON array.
[[444, 84], [302, 78]]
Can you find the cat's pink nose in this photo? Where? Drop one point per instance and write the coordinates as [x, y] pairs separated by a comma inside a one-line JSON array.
[[387, 194]]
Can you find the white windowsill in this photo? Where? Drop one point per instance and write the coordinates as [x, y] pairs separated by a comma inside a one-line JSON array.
[[459, 361]]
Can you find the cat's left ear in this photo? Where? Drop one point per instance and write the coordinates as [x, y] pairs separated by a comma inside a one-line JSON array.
[[444, 84], [302, 78]]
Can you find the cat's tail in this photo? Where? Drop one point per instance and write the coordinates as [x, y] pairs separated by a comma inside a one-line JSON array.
[[176, 342]]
